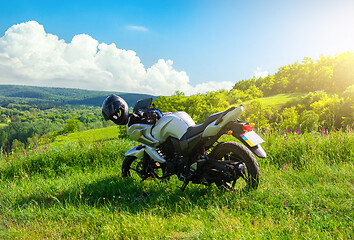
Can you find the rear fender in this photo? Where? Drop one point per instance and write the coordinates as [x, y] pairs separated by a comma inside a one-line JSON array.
[[257, 150], [236, 129]]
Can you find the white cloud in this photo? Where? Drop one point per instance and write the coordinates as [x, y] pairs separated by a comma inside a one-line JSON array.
[[30, 56], [138, 28], [212, 86], [259, 73]]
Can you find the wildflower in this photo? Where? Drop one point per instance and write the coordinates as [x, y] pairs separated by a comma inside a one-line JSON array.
[[324, 132], [117, 209], [286, 203]]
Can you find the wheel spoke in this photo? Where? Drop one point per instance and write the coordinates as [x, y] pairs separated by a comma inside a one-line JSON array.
[[136, 170]]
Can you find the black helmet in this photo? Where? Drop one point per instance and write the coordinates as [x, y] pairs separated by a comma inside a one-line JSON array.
[[116, 109]]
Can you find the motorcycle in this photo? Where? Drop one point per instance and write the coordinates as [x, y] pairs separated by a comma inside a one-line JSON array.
[[172, 144]]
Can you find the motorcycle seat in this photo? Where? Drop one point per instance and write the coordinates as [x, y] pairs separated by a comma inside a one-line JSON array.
[[195, 130]]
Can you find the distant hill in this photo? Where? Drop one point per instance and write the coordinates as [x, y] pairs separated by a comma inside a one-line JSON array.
[[60, 96]]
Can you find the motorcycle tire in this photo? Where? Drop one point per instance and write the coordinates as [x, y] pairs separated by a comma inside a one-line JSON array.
[[236, 152], [126, 166], [132, 164]]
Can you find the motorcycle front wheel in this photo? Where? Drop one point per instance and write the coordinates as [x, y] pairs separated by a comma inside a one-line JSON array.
[[133, 167], [128, 167], [238, 153]]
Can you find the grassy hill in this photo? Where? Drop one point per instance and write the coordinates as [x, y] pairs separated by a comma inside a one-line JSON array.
[[89, 136], [61, 96], [72, 189], [278, 101]]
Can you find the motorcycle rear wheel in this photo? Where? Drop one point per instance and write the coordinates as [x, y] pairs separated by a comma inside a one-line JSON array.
[[236, 152]]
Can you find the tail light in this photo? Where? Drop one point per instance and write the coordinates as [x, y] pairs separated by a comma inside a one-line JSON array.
[[248, 127]]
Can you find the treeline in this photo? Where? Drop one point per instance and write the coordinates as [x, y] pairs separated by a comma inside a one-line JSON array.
[[59, 114], [313, 112], [25, 125], [47, 97], [329, 74], [328, 105]]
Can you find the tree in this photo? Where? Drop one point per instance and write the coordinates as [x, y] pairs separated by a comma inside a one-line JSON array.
[[308, 121], [257, 113], [290, 118], [71, 125], [17, 145], [254, 92], [3, 139], [343, 72]]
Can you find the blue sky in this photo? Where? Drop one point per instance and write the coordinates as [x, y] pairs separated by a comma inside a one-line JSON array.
[[211, 41]]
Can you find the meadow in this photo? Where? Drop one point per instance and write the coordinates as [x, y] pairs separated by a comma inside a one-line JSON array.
[[73, 189], [279, 100]]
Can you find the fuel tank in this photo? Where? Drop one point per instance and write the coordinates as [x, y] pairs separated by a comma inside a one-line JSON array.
[[172, 125]]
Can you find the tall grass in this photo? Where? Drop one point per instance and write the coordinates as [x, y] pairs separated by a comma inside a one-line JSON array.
[[74, 191], [302, 150], [50, 161]]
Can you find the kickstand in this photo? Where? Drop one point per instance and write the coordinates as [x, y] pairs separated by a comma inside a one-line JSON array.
[[184, 185]]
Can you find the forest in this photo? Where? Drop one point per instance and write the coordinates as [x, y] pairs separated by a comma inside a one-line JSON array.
[[47, 97], [322, 90], [325, 90]]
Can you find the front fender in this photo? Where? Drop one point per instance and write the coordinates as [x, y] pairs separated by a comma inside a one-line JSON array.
[[137, 151], [140, 150]]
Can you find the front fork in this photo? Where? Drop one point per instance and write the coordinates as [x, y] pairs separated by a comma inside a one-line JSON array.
[[144, 168]]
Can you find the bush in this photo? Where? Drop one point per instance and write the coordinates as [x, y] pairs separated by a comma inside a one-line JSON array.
[[308, 121]]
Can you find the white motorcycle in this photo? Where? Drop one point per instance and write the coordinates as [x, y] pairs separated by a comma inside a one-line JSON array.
[[172, 144]]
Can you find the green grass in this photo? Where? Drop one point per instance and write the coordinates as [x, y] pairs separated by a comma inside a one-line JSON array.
[[3, 125], [89, 136], [280, 100], [74, 190]]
